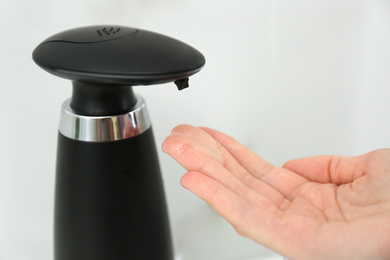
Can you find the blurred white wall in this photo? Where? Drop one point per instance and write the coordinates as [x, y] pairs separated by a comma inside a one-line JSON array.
[[286, 78]]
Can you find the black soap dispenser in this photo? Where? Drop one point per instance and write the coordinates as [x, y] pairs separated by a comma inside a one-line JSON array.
[[109, 196]]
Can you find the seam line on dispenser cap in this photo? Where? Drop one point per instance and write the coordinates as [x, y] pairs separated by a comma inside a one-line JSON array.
[[156, 78], [89, 42]]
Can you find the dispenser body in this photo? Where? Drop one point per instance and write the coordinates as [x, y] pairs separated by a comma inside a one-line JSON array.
[[109, 201], [109, 197]]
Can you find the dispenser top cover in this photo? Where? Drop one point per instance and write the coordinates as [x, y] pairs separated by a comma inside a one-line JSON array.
[[116, 55]]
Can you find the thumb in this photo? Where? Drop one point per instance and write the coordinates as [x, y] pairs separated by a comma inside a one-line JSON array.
[[328, 169]]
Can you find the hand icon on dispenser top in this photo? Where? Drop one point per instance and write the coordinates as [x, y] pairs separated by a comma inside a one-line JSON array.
[[324, 207]]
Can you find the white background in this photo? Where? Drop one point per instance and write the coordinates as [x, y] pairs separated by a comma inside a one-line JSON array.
[[286, 78]]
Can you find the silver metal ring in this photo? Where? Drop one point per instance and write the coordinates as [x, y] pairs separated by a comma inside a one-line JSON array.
[[104, 128]]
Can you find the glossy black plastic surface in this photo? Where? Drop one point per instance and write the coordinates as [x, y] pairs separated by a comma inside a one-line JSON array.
[[103, 61], [110, 201], [101, 100], [129, 56]]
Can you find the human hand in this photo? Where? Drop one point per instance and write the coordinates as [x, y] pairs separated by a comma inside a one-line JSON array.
[[324, 207]]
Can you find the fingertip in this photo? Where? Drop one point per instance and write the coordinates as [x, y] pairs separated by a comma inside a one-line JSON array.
[[209, 130], [173, 144], [166, 144], [289, 164], [205, 128], [184, 180], [188, 179], [182, 128], [175, 138]]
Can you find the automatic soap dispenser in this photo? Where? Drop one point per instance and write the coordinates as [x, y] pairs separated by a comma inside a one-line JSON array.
[[109, 196]]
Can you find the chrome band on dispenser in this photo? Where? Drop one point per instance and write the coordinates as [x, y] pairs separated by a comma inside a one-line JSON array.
[[104, 128]]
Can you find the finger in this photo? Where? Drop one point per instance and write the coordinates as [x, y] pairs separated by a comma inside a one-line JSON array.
[[192, 147], [249, 180], [204, 142], [200, 140], [327, 169], [189, 151], [259, 224], [243, 216], [284, 181]]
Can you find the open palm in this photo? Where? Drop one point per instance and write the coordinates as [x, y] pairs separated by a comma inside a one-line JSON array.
[[325, 207]]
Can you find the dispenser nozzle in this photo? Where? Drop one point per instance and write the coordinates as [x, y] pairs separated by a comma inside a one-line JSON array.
[[182, 83]]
